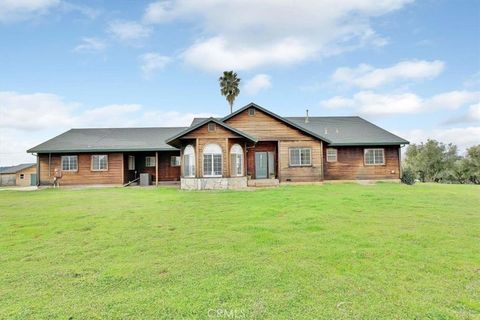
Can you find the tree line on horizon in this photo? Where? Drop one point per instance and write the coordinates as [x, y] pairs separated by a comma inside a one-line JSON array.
[[434, 161]]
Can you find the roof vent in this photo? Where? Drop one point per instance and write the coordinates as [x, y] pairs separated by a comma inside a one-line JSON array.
[[336, 130], [326, 130], [306, 117]]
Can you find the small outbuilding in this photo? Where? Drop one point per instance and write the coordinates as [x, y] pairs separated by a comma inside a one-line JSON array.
[[22, 175]]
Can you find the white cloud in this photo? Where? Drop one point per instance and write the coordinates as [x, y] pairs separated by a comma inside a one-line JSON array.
[[129, 31], [29, 119], [338, 102], [218, 54], [472, 116], [19, 10], [87, 11], [462, 137], [473, 82], [272, 32], [453, 99], [91, 45], [258, 83], [156, 12], [474, 112], [153, 62], [34, 111], [366, 76], [368, 102]]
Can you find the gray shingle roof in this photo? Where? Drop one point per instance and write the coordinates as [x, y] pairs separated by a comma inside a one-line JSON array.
[[349, 131], [109, 139], [17, 168], [336, 131], [343, 130]]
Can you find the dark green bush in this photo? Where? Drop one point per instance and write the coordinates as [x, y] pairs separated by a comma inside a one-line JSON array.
[[408, 177]]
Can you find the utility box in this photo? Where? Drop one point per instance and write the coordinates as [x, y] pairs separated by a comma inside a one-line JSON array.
[[145, 179]]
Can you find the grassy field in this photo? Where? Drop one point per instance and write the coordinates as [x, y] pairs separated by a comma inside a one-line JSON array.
[[339, 251]]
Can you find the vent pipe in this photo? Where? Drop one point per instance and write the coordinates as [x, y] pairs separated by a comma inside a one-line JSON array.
[[306, 117]]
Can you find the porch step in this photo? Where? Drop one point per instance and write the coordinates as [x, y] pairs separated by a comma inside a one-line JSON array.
[[263, 182]]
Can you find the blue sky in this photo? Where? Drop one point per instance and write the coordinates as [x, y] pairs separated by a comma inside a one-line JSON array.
[[412, 67]]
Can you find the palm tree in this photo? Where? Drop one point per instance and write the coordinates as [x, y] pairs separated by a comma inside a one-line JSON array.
[[229, 87]]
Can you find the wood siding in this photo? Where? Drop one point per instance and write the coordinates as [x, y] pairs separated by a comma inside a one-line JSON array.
[[84, 174], [302, 173], [350, 165], [225, 138], [267, 128]]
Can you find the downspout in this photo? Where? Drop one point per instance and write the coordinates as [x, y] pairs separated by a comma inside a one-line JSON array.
[[400, 161], [38, 169]]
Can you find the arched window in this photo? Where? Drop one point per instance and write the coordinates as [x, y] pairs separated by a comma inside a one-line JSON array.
[[236, 156], [212, 160], [189, 161]]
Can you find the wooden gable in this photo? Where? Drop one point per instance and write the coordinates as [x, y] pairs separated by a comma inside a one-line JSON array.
[[265, 127], [203, 132]]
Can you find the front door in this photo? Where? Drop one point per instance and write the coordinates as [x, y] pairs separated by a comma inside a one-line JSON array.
[[261, 165], [264, 164]]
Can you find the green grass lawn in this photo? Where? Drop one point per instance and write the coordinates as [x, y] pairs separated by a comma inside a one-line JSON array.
[[333, 251]]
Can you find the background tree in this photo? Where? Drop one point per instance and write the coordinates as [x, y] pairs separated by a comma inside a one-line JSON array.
[[229, 87], [432, 161], [472, 162]]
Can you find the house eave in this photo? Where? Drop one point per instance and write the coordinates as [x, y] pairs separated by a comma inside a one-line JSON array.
[[100, 150]]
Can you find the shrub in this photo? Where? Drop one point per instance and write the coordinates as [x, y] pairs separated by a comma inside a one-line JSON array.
[[408, 177]]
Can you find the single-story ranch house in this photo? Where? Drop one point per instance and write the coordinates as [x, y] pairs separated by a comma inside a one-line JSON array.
[[251, 146]]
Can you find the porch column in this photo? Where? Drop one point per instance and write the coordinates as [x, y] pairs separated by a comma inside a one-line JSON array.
[[227, 157], [197, 159], [156, 168]]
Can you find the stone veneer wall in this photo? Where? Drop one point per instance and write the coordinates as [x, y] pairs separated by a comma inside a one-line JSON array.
[[213, 183]]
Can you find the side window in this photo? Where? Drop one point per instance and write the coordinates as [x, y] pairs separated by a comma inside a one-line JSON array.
[[175, 161], [131, 163], [99, 162], [149, 161], [331, 155], [69, 163]]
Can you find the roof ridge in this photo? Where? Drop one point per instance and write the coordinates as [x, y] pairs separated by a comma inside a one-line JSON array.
[[97, 128]]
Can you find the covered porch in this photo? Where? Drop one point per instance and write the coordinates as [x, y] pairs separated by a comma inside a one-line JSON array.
[[161, 166]]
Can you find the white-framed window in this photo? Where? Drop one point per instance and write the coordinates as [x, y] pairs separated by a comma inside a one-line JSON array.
[[331, 155], [300, 157], [212, 160], [175, 161], [251, 111], [236, 156], [374, 157], [99, 162], [212, 127], [149, 161], [131, 163], [69, 163], [189, 161]]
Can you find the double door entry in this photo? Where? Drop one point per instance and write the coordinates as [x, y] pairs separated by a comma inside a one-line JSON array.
[[264, 165]]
